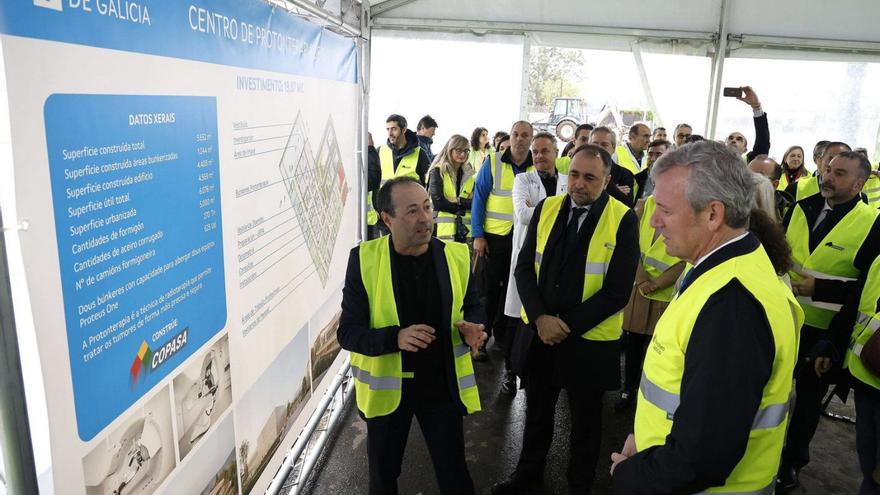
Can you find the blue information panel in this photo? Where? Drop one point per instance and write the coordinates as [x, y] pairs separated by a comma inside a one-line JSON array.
[[136, 195]]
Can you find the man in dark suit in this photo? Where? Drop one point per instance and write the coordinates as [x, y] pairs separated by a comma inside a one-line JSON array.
[[574, 273], [410, 317]]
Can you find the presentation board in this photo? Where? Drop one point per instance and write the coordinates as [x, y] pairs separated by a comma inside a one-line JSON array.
[[188, 172]]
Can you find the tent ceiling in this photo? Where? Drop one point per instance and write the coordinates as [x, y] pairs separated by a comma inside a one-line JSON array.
[[851, 23]]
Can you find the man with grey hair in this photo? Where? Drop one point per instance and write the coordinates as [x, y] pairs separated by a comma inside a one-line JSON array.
[[834, 238], [704, 419]]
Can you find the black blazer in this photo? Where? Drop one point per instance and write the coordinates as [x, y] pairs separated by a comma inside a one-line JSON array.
[[577, 360]]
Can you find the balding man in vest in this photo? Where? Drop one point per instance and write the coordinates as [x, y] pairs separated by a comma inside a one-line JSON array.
[[411, 318], [492, 229], [713, 401]]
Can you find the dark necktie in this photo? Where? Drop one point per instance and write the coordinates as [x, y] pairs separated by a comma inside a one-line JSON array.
[[571, 230], [685, 281]]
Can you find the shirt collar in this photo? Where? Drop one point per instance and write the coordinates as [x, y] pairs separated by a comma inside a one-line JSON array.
[[710, 253]]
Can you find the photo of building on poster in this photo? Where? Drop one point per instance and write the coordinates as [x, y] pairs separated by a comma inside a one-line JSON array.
[[226, 480], [265, 414], [137, 456], [325, 348], [202, 393]]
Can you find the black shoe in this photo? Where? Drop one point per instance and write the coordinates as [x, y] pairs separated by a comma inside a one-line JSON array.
[[787, 479], [481, 354], [626, 401], [516, 484], [508, 384]]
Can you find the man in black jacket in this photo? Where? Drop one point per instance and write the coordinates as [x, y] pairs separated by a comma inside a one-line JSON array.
[[574, 274], [409, 282]]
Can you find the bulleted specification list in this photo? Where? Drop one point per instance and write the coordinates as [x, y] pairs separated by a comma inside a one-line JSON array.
[[136, 194]]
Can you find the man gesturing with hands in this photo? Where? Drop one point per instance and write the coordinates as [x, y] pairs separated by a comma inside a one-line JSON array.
[[411, 319]]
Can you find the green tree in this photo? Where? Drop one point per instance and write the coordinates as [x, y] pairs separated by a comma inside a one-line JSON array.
[[553, 72]]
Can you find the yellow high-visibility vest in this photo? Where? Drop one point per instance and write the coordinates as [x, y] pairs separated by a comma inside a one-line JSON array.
[[378, 380], [446, 221], [655, 260], [626, 159], [866, 325], [499, 205], [405, 168], [832, 258], [599, 252], [660, 388]]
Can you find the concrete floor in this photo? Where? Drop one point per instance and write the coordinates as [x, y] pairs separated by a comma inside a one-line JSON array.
[[494, 436]]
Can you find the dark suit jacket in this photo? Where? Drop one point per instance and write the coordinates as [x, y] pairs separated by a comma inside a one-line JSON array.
[[577, 361]]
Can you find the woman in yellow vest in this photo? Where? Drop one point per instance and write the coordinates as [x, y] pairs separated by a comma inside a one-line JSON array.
[[451, 185], [792, 167], [650, 296], [480, 148]]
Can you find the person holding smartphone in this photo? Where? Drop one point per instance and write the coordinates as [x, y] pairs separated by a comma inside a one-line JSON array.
[[736, 139]]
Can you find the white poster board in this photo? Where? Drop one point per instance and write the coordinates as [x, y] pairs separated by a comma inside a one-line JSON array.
[[188, 173]]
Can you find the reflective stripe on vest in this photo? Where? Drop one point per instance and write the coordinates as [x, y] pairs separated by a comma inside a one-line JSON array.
[[832, 259], [866, 325], [406, 167], [599, 252], [626, 159], [654, 257], [664, 366], [769, 416], [499, 204], [379, 379], [871, 189]]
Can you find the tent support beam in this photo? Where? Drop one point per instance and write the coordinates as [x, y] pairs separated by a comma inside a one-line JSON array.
[[524, 84], [718, 70], [646, 84]]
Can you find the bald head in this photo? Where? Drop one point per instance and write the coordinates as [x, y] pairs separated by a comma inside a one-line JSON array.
[[767, 167]]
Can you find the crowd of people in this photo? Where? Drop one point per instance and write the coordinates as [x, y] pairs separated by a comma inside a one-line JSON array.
[[737, 288]]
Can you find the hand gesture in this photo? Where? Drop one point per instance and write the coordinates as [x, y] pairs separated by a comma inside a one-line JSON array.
[[628, 450], [749, 96], [415, 337], [472, 333], [551, 330]]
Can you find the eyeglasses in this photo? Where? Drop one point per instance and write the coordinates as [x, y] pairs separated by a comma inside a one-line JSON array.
[[460, 150]]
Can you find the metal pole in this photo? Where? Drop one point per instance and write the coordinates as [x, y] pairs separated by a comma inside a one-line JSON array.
[[646, 85], [719, 71], [318, 12], [365, 51], [524, 85], [303, 440], [15, 432], [309, 463], [711, 81]]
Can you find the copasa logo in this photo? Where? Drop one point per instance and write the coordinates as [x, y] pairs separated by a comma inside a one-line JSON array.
[[50, 4], [147, 360]]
